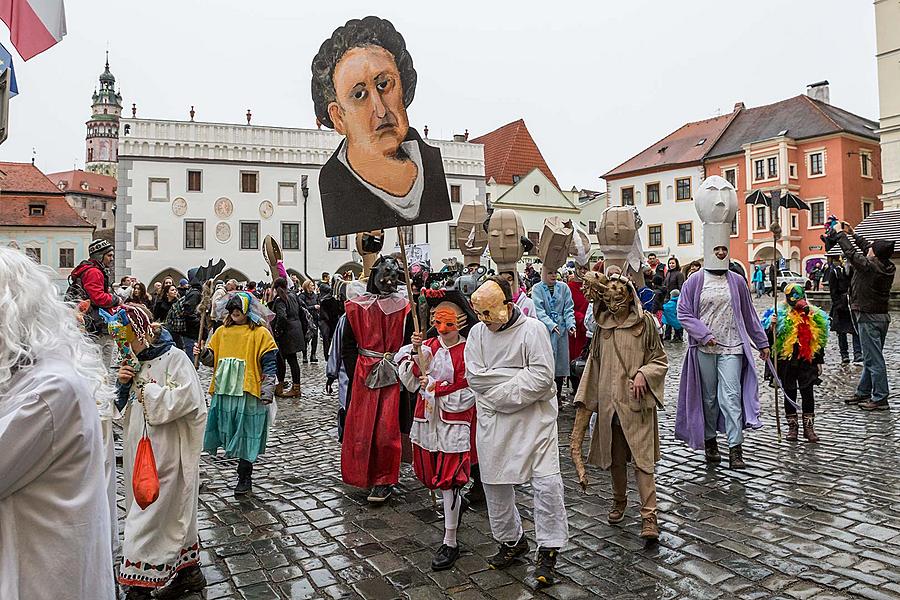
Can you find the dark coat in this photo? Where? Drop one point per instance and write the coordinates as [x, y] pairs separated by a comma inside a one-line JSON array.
[[839, 289], [348, 206], [310, 301], [189, 303], [870, 288], [287, 325], [161, 310]]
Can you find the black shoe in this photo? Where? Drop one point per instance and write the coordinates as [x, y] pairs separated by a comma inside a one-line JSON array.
[[245, 478], [380, 494], [545, 566], [507, 553], [845, 360], [444, 557], [138, 593], [857, 399], [305, 361], [736, 458], [187, 580], [712, 452], [314, 360]]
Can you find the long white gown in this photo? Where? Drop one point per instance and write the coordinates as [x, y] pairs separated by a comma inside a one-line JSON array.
[[162, 538], [54, 514]]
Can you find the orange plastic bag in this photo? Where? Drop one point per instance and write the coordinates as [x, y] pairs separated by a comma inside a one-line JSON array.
[[144, 478]]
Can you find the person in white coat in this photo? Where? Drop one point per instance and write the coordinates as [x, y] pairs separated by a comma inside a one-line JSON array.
[[55, 539], [509, 366], [164, 401]]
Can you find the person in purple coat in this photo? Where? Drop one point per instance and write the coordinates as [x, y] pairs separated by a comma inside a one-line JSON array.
[[719, 390]]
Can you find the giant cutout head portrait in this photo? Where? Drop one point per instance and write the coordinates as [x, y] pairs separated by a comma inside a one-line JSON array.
[[382, 174]]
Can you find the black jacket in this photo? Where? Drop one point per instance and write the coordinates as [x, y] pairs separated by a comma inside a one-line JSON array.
[[870, 287], [839, 290], [287, 325], [189, 303], [348, 206]]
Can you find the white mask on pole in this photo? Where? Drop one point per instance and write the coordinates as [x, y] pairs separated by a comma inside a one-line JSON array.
[[716, 204]]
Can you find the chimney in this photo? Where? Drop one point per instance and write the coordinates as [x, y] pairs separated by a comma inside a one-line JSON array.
[[819, 91], [459, 137], [738, 106]]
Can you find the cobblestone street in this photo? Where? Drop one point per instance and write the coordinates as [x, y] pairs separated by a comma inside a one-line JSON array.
[[804, 521]]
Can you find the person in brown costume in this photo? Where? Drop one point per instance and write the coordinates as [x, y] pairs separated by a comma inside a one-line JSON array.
[[623, 383]]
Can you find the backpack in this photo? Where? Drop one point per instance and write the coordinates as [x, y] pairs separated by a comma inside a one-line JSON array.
[[75, 293], [175, 320]]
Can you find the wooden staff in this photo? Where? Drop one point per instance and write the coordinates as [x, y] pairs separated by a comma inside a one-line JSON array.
[[206, 305]]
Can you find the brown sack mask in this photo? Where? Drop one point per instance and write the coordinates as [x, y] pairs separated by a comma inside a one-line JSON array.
[[471, 238], [555, 240]]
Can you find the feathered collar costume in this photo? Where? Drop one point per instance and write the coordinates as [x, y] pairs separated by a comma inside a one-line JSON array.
[[801, 329]]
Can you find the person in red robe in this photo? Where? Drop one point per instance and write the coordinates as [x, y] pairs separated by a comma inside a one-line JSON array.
[[371, 449], [441, 432], [578, 341]]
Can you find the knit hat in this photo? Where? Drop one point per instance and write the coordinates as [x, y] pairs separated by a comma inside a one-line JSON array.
[[98, 248], [674, 294], [182, 282], [883, 249]]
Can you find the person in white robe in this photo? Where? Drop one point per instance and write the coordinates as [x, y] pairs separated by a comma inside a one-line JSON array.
[[163, 400], [509, 366], [55, 539]]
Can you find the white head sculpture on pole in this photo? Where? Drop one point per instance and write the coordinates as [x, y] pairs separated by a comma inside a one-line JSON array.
[[716, 203]]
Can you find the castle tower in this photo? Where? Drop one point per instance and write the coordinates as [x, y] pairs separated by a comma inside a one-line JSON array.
[[103, 127]]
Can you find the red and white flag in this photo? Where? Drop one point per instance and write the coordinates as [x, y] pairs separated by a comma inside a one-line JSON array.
[[34, 25]]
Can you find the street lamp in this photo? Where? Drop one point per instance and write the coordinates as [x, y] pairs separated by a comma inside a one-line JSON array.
[[304, 189]]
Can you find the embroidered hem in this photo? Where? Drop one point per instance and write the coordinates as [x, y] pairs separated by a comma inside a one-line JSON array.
[[143, 574]]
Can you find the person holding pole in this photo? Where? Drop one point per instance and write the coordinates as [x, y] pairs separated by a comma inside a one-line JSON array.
[[718, 390]]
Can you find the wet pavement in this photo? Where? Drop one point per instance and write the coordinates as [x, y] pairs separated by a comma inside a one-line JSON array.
[[804, 521]]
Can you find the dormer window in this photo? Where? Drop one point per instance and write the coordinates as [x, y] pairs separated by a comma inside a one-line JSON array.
[[84, 185], [662, 150], [701, 142], [61, 185], [36, 210]]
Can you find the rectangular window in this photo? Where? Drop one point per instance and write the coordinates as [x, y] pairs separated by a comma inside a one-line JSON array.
[[866, 209], [817, 213], [146, 237], [683, 189], [731, 177], [36, 210], [290, 236], [792, 171], [816, 164], [535, 238], [451, 232], [455, 193], [759, 170], [102, 223], [66, 258], [685, 234], [772, 165], [250, 182], [34, 254], [627, 196], [795, 222], [249, 235], [409, 234], [734, 223], [195, 181], [287, 193], [592, 227], [865, 163], [654, 235], [158, 189], [193, 235], [760, 218], [652, 193], [338, 242]]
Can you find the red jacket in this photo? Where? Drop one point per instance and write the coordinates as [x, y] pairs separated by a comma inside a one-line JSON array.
[[95, 283]]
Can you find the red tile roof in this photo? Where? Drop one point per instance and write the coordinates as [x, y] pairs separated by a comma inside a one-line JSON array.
[[85, 182], [510, 150], [681, 147], [24, 177], [23, 185]]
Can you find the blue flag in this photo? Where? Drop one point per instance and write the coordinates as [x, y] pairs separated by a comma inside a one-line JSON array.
[[7, 63]]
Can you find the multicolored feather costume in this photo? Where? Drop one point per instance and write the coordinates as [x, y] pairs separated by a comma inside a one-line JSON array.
[[807, 331]]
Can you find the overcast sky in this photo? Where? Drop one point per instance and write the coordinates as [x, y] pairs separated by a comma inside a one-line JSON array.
[[596, 82]]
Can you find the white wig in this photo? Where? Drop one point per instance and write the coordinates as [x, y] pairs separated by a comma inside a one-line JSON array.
[[36, 323]]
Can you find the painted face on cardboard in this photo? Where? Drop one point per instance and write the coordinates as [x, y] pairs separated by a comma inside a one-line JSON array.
[[471, 237], [369, 107], [505, 230], [716, 200], [490, 304], [447, 320]]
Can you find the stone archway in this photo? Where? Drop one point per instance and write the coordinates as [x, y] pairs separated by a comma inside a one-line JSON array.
[[300, 276], [352, 266], [172, 272]]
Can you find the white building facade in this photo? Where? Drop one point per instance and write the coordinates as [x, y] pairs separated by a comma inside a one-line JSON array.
[[191, 191], [665, 202], [887, 33]]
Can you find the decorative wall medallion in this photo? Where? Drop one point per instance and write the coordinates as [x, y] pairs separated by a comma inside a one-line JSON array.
[[179, 207], [223, 231], [266, 209], [223, 208]]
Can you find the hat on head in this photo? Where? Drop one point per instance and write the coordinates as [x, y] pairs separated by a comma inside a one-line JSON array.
[[99, 248], [883, 249], [674, 294], [182, 281]]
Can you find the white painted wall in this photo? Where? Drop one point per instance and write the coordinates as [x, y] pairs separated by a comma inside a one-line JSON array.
[[50, 240], [668, 212], [168, 149], [887, 33]]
